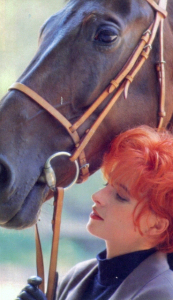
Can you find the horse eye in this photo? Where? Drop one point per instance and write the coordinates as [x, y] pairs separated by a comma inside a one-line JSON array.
[[106, 35]]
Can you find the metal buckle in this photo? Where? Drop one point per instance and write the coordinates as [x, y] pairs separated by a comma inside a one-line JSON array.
[[147, 31], [148, 46], [50, 174]]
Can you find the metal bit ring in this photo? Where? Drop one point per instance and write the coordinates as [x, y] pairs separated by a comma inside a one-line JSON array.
[[50, 174]]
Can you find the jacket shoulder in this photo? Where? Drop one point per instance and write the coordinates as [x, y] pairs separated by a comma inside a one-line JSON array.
[[160, 288], [76, 275], [151, 280]]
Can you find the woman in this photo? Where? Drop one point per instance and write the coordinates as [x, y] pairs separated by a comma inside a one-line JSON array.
[[133, 213]]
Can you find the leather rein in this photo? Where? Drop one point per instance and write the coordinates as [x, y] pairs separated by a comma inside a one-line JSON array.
[[117, 86]]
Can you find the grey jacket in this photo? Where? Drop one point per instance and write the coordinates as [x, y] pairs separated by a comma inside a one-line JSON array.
[[151, 280]]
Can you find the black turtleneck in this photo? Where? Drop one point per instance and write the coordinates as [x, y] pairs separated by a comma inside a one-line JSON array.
[[112, 272]]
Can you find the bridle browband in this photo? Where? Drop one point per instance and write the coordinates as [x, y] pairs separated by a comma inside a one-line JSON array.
[[120, 83]]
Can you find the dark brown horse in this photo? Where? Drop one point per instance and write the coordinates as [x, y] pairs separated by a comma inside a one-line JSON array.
[[81, 48]]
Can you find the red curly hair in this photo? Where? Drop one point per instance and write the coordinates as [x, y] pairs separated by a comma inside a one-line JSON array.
[[142, 158]]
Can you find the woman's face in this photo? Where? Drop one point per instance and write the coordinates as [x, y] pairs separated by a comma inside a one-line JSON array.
[[112, 220]]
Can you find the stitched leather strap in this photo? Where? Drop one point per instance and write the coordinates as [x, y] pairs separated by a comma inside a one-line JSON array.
[[161, 8], [161, 77], [147, 39], [56, 223], [129, 71], [48, 107], [116, 81]]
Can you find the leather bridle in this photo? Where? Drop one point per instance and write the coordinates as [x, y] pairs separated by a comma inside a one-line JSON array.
[[120, 83], [117, 86]]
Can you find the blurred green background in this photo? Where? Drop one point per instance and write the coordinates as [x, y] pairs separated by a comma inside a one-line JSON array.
[[19, 28]]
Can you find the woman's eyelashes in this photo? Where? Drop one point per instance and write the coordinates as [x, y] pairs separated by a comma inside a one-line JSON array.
[[120, 198]]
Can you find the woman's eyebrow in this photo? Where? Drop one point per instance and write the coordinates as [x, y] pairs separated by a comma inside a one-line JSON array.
[[125, 188]]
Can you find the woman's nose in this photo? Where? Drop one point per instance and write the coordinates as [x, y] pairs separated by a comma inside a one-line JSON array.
[[98, 197]]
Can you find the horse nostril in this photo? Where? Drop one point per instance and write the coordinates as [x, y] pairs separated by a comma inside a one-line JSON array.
[[6, 175], [3, 175]]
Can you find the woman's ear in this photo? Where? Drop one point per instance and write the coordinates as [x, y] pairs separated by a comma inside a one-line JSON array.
[[158, 227]]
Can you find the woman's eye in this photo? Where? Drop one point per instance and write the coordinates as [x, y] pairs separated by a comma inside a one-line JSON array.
[[106, 35], [121, 198]]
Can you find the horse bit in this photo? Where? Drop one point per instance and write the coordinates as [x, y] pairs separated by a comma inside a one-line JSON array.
[[118, 85]]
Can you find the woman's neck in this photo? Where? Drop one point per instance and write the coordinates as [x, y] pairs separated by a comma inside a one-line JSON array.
[[117, 250]]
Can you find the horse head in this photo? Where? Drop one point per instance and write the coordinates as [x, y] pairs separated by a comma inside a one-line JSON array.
[[81, 49]]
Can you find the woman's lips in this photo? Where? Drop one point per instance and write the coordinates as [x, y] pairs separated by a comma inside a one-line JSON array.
[[94, 215]]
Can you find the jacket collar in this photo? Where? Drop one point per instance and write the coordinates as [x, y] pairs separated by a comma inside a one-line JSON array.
[[150, 268]]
